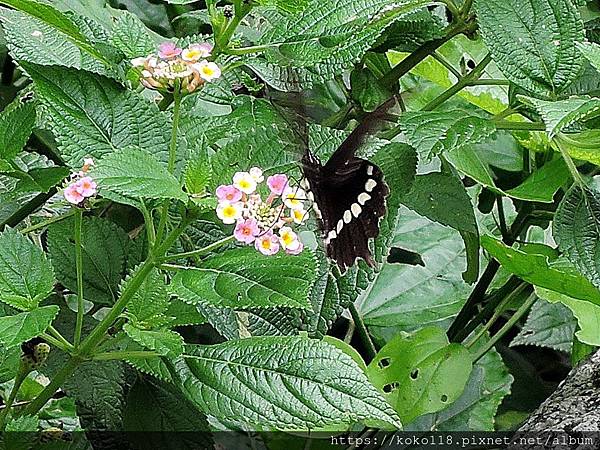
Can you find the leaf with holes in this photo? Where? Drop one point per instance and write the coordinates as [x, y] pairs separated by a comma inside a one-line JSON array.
[[533, 42], [576, 229], [285, 383], [26, 276], [21, 327], [243, 278], [435, 132], [91, 115], [420, 373]]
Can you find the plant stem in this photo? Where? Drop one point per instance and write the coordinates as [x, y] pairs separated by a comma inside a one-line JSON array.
[[49, 221], [489, 82], [198, 252], [55, 333], [363, 332], [577, 178], [79, 268], [21, 375], [444, 62], [507, 326], [124, 355], [149, 224], [249, 49], [29, 207], [527, 126], [57, 343]]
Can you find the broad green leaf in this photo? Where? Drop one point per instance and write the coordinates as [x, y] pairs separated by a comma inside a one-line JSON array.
[[243, 278], [183, 314], [26, 276], [290, 6], [265, 381], [135, 173], [56, 19], [198, 173], [536, 268], [14, 330], [159, 368], [42, 180], [533, 42], [420, 373], [408, 296], [9, 363], [91, 115], [131, 36], [561, 114], [591, 51], [16, 122], [104, 253], [576, 229], [543, 183], [435, 132], [548, 325], [583, 145], [586, 313], [164, 342], [442, 198], [150, 301], [162, 410]]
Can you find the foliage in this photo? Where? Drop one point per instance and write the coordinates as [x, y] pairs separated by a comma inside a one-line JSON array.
[[122, 127]]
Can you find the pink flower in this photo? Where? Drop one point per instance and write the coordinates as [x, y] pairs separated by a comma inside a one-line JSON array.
[[228, 193], [86, 187], [277, 183], [72, 196], [297, 250], [168, 50], [267, 244], [246, 231]]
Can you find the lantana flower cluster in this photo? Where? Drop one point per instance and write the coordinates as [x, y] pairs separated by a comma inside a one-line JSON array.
[[174, 66], [81, 186], [268, 223]]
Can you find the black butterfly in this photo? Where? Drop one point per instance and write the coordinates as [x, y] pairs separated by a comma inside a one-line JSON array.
[[348, 194]]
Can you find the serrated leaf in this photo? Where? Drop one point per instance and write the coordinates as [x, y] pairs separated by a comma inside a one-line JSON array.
[[287, 383], [42, 180], [435, 132], [198, 173], [164, 342], [442, 198], [243, 278], [560, 114], [26, 276], [131, 36], [548, 325], [536, 268], [421, 373], [9, 363], [104, 246], [16, 123], [183, 314], [91, 115], [158, 367], [150, 300], [576, 229], [591, 51], [135, 173], [533, 42], [14, 330]]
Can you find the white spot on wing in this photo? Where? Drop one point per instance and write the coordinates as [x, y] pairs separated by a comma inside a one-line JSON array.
[[356, 209], [340, 225], [310, 196], [332, 235], [363, 198], [347, 216], [370, 170], [370, 184]]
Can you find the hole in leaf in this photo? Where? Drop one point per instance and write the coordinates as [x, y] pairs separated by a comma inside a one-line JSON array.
[[390, 387], [470, 64], [528, 333], [414, 374], [383, 363], [401, 256], [444, 398]]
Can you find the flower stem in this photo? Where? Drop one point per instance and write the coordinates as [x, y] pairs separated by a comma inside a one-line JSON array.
[[363, 332], [198, 252], [47, 222], [79, 268], [173, 142]]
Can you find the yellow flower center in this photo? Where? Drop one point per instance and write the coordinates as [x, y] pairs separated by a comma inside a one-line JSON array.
[[287, 238], [266, 244], [206, 70], [229, 211], [244, 184]]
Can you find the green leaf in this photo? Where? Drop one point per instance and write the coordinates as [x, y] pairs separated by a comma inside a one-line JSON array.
[[366, 90], [561, 114], [442, 198], [582, 145], [533, 42], [543, 183], [591, 51], [26, 276], [104, 252], [164, 342], [150, 301], [16, 123], [14, 330], [9, 363], [131, 36], [91, 115], [548, 325], [162, 410], [420, 373], [536, 268], [57, 20], [159, 368], [435, 132], [586, 313], [576, 229], [135, 173], [42, 180], [265, 381], [407, 296], [243, 278], [198, 173]]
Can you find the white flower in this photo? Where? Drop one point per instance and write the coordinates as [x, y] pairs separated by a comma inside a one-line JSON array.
[[257, 174], [229, 212], [288, 239], [293, 197], [208, 71], [299, 215], [139, 62], [244, 182]]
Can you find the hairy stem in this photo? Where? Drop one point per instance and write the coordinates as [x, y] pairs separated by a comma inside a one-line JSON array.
[[577, 178], [527, 126], [21, 375], [49, 221], [79, 269], [361, 328]]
